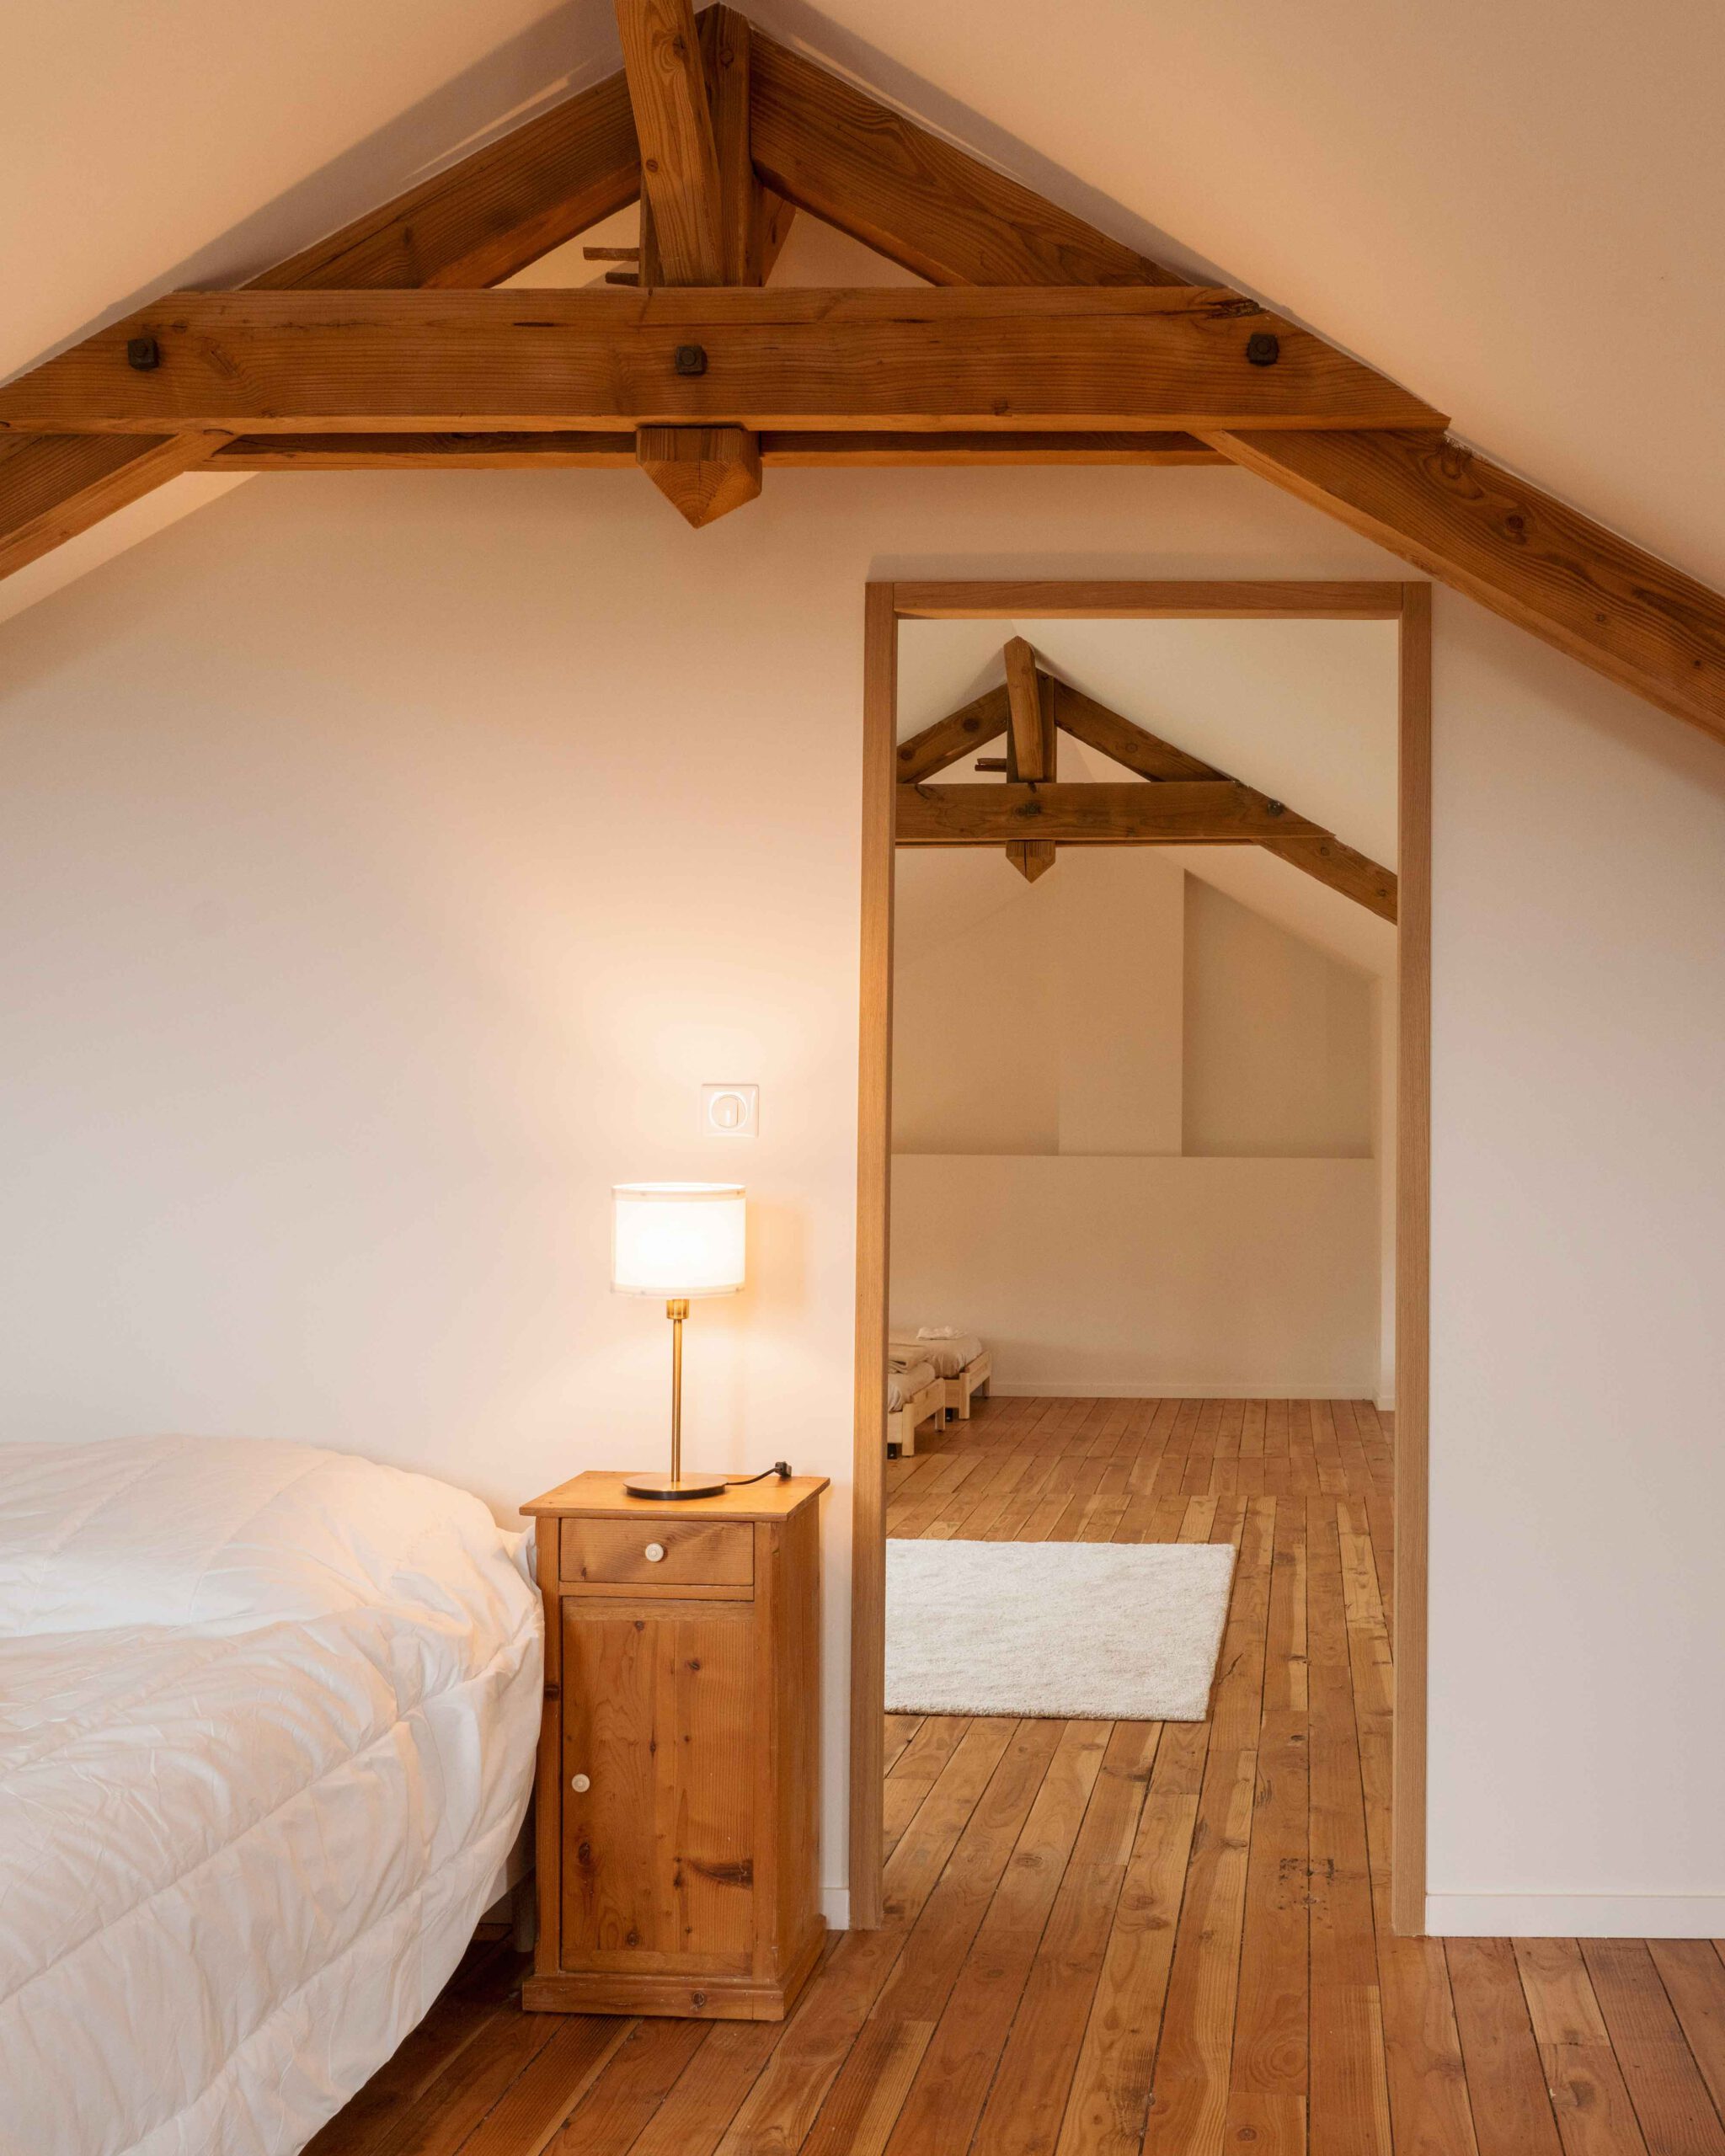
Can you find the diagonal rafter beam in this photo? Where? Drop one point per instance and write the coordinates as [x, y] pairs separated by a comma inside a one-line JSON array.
[[1549, 569], [1543, 566], [1296, 840], [970, 727], [853, 162], [842, 155], [1320, 853], [476, 222]]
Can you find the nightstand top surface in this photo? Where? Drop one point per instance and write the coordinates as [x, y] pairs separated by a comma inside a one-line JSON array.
[[604, 1495]]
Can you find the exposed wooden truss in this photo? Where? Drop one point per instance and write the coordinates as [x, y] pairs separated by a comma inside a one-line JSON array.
[[785, 133], [1535, 561], [1033, 747], [970, 727], [673, 128], [838, 153], [1180, 812], [809, 447], [704, 471], [475, 223], [701, 215], [1189, 803], [1089, 357]]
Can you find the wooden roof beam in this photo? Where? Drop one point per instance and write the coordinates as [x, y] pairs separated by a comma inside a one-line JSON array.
[[806, 450], [1032, 747], [674, 127], [1206, 812], [1551, 570], [848, 159], [476, 222], [1319, 853], [1300, 843], [1033, 359], [949, 738], [1539, 563], [703, 215], [1030, 737]]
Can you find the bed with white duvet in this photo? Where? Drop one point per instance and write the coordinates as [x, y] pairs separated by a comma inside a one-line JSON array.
[[267, 1725]]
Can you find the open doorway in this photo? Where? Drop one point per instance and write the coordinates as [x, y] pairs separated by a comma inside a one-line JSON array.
[[1156, 1137]]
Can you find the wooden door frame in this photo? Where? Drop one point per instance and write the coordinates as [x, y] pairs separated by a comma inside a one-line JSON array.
[[886, 605]]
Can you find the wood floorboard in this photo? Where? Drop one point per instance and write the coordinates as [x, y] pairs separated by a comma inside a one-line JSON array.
[[1125, 1939]]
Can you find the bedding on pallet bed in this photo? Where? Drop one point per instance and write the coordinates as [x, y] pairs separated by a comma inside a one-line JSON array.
[[267, 1718], [960, 1362], [914, 1393]]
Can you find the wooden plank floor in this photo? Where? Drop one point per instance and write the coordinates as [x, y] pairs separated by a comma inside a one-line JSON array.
[[1108, 1938]]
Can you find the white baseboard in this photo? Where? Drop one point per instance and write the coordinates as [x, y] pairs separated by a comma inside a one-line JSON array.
[[1095, 1389], [1385, 1403], [1576, 1916], [836, 1907]]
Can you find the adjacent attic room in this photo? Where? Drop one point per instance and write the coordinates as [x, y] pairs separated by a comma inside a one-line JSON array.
[[860, 924]]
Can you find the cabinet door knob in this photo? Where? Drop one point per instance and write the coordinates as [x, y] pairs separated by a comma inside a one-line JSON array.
[[579, 1784], [654, 1553]]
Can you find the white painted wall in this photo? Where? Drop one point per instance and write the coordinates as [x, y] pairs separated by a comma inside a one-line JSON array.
[[1278, 1050], [385, 861], [1042, 1017], [1578, 1599], [1057, 1047], [1141, 1276]]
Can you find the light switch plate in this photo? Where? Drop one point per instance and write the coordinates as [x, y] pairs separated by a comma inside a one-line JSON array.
[[730, 1111]]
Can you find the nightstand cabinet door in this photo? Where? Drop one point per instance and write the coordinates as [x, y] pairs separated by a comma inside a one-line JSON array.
[[659, 1721]]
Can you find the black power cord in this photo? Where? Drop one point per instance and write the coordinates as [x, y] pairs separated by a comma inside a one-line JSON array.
[[781, 1468]]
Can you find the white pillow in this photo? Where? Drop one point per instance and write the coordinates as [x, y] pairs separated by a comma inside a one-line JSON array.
[[232, 1533]]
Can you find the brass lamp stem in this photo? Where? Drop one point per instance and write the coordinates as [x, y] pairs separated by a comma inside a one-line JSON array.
[[676, 1309]]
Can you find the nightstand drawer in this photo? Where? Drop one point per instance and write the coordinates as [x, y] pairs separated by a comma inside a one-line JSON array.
[[609, 1554]]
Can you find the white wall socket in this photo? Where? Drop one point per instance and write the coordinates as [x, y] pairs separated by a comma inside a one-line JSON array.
[[730, 1111]]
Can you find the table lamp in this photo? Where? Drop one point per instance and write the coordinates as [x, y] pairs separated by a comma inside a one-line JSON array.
[[680, 1241]]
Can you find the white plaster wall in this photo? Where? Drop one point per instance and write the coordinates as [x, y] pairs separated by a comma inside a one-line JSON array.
[[384, 862], [1145, 1276], [1278, 1050], [1053, 1045], [1577, 1595]]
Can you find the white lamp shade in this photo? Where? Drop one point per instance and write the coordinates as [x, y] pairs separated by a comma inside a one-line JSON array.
[[675, 1239]]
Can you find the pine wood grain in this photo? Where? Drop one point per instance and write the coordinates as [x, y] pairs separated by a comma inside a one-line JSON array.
[[480, 361], [1103, 1938], [667, 88], [811, 449], [476, 222], [1531, 558], [1181, 812], [839, 154]]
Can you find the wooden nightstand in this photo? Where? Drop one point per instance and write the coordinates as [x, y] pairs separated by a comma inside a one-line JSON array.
[[679, 1755]]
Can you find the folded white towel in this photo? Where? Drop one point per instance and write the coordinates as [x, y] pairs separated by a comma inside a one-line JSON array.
[[936, 1332]]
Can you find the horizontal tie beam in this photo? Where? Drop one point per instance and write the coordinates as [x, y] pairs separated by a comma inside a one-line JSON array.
[[1114, 359], [1179, 811]]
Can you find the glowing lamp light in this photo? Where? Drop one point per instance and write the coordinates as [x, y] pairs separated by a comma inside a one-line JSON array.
[[682, 1241]]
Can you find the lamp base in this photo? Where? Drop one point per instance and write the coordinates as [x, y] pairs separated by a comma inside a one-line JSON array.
[[676, 1485]]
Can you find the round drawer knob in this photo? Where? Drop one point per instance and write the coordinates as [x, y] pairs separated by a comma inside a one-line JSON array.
[[579, 1784], [654, 1553]]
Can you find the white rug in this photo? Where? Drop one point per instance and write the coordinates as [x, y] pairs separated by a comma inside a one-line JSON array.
[[1091, 1631]]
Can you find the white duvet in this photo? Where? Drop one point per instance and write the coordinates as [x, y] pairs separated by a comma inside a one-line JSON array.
[[267, 1725]]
